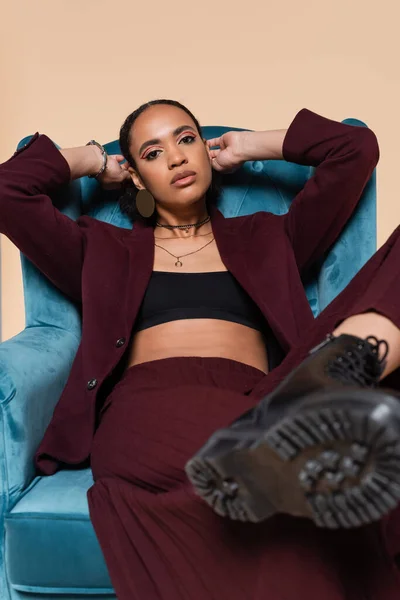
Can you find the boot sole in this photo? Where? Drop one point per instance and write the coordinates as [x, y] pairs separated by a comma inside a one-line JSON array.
[[334, 459]]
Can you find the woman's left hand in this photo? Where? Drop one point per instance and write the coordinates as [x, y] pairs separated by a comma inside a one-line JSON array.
[[230, 155]]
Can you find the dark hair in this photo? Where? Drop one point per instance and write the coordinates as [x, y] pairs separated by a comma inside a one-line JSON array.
[[127, 200]]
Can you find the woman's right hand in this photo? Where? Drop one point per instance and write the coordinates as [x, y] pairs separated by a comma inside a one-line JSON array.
[[115, 174]]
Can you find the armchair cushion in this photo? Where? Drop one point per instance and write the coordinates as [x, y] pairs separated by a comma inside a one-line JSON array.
[[52, 547]]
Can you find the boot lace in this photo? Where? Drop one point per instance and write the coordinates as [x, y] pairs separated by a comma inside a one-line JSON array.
[[361, 364]]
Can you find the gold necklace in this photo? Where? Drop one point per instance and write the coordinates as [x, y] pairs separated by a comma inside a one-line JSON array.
[[179, 263]]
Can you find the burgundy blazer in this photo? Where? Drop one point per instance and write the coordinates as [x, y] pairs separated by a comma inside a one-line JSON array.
[[107, 268]]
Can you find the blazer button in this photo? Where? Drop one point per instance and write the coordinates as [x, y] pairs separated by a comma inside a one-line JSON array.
[[120, 342], [91, 384]]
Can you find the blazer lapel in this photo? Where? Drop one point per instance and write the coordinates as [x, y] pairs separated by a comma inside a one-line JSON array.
[[235, 243], [232, 237], [140, 244]]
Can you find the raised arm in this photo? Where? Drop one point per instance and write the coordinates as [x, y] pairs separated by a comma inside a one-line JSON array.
[[51, 240], [345, 157]]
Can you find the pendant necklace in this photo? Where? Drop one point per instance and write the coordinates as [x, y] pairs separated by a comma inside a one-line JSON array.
[[179, 263]]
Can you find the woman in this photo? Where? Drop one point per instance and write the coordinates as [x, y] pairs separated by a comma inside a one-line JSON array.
[[214, 294]]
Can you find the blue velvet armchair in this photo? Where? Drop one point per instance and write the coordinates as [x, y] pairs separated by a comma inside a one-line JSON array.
[[48, 546]]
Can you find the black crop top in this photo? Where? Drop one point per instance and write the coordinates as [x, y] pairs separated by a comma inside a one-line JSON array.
[[216, 295]]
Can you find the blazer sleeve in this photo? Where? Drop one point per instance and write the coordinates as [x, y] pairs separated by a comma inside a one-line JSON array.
[[345, 157], [52, 241]]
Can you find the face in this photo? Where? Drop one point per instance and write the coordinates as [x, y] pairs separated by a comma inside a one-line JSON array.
[[164, 144]]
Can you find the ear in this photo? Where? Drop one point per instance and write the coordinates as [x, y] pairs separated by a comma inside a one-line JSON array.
[[207, 150], [136, 179]]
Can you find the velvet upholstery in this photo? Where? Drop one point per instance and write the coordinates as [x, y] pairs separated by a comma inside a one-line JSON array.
[[48, 544]]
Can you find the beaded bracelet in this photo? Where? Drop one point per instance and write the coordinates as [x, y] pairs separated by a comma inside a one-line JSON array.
[[104, 155]]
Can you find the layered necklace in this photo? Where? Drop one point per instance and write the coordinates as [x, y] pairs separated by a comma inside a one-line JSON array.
[[186, 229]]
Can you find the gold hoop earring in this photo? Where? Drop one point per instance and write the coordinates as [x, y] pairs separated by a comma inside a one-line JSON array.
[[145, 203]]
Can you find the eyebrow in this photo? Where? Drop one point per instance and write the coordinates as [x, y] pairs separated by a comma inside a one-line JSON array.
[[176, 131]]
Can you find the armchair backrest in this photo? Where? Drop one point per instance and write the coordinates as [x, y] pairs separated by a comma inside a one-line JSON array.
[[257, 186]]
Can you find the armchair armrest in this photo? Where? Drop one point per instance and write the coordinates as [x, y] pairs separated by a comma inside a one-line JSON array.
[[34, 367]]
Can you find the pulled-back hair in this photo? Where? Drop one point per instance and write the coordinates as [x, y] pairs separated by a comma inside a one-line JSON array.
[[127, 200]]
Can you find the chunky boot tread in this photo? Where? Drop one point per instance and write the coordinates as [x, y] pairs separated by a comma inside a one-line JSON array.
[[339, 467], [378, 491]]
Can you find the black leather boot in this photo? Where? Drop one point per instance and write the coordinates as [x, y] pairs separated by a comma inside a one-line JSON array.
[[324, 445]]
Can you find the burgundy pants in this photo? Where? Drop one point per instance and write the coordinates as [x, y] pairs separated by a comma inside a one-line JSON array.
[[162, 542]]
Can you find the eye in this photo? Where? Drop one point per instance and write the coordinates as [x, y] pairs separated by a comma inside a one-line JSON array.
[[189, 138], [152, 155]]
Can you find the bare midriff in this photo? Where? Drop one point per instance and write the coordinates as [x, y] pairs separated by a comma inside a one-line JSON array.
[[199, 337]]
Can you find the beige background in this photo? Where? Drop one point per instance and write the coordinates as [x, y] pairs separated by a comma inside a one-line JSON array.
[[74, 69]]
